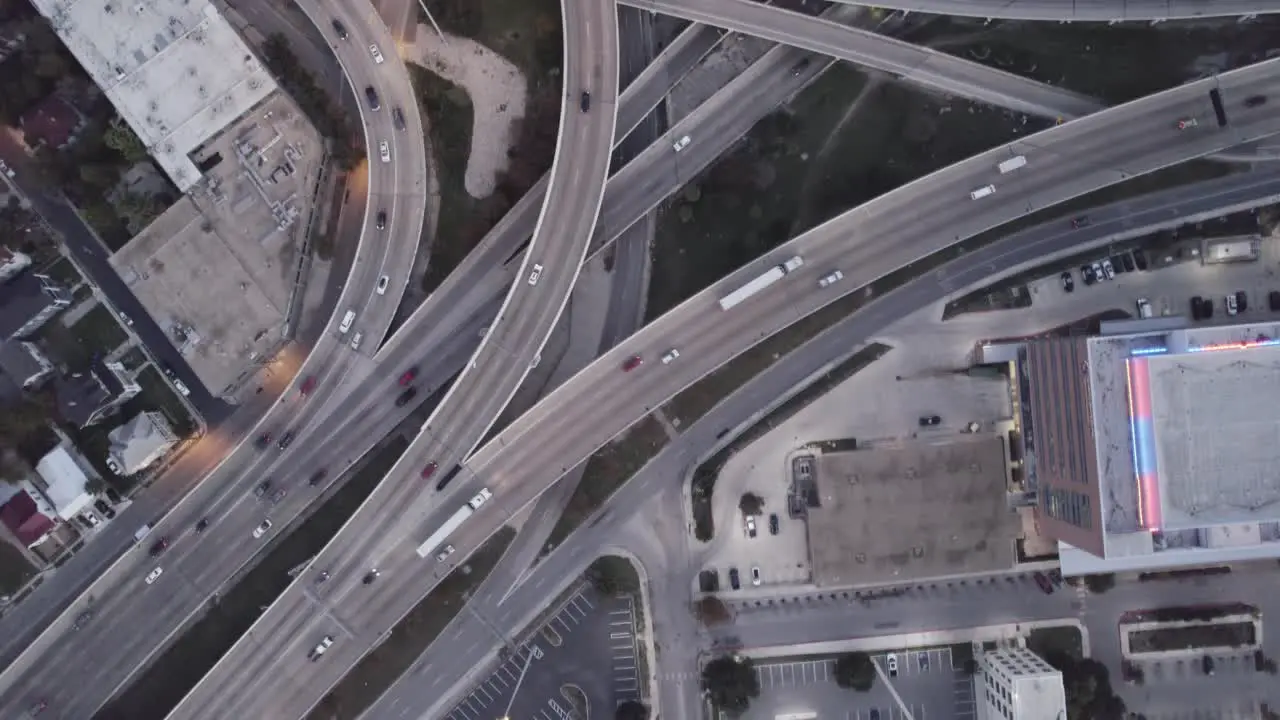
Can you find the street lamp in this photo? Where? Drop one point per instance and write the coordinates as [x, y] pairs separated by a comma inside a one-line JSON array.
[[531, 652]]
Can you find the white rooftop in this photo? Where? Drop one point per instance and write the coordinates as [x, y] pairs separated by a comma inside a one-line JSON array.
[[175, 70], [66, 482]]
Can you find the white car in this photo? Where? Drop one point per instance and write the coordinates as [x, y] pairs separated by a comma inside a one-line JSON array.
[[446, 552], [383, 282], [154, 575], [892, 662], [682, 143], [751, 526], [319, 649], [355, 341], [670, 357], [126, 320], [535, 274], [1108, 269], [384, 151], [181, 387], [1232, 307], [832, 277], [755, 576], [261, 529], [377, 54]]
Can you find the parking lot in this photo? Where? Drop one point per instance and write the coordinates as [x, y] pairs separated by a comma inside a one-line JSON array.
[[926, 680], [590, 642]]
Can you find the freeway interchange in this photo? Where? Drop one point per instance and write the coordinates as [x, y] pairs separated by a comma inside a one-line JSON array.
[[525, 458]]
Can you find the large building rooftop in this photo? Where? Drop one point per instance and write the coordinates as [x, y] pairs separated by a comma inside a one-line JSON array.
[[175, 70]]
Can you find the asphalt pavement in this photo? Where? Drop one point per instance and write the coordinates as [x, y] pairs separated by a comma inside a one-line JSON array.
[[1078, 11]]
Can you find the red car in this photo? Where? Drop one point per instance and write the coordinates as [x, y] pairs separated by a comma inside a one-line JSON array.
[[308, 385], [160, 546], [409, 375], [1046, 585], [632, 363], [429, 470]]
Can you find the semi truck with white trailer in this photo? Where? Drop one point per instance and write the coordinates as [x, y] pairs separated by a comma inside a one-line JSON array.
[[770, 276], [454, 522]]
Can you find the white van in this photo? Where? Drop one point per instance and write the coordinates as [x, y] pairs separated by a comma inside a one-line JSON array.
[[1012, 164], [982, 192], [347, 319]]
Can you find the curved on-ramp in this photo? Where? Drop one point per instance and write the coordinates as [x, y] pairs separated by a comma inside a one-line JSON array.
[[1081, 10]]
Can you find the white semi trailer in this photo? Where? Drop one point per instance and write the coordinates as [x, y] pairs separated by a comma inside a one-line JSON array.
[[453, 523], [770, 276]]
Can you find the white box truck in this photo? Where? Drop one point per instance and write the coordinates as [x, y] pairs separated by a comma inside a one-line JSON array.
[[769, 277], [1012, 164], [453, 523]]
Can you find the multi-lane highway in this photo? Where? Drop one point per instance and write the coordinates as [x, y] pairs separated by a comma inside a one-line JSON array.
[[430, 686], [867, 243], [1081, 10]]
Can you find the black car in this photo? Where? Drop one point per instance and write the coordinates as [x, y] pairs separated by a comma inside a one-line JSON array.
[[262, 488], [1242, 301], [734, 581], [1127, 261], [930, 420], [1046, 585], [285, 440], [1087, 274], [586, 101], [341, 30], [1140, 259], [159, 547], [372, 96], [1068, 284], [381, 221], [202, 525], [168, 371], [370, 576], [406, 396], [448, 477], [1197, 309], [1255, 101], [263, 441], [773, 524], [397, 117], [1079, 221], [800, 67], [1273, 300], [316, 477]]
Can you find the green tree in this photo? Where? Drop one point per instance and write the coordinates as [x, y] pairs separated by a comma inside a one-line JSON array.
[[1099, 584], [750, 503], [12, 468], [855, 671], [712, 611], [98, 176], [121, 138], [632, 710], [613, 575], [731, 683]]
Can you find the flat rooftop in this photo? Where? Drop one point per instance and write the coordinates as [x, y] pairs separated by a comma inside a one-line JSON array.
[[1217, 435], [217, 270], [923, 510], [175, 70]]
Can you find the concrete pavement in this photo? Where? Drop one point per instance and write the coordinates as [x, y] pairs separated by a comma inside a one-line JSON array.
[[1078, 11]]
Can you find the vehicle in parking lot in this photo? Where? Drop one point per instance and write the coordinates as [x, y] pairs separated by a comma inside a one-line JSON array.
[[90, 520], [1087, 274], [384, 151], [734, 581], [377, 54], [430, 469], [1117, 264], [407, 377], [383, 282], [831, 277], [1097, 271], [1046, 585], [404, 397], [159, 546], [1079, 221], [104, 508], [670, 356], [1231, 305], [397, 117], [1273, 300], [445, 553], [681, 144], [773, 523], [930, 420], [380, 221], [1144, 308], [316, 477], [1139, 260], [307, 385], [262, 529], [1242, 301], [1126, 261], [534, 274], [154, 575], [892, 662], [318, 650], [1108, 271], [1068, 284], [285, 440], [755, 575], [751, 526], [632, 363], [923, 661]]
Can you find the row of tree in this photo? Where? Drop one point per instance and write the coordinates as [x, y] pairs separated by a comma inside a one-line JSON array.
[[319, 108]]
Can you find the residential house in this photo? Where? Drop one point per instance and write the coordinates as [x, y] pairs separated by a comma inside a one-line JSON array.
[[24, 364], [26, 304], [53, 123], [87, 398], [12, 263], [63, 483], [21, 516], [139, 442]]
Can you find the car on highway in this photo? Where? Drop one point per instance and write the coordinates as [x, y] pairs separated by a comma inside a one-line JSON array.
[[682, 143], [773, 523], [799, 67], [430, 470], [892, 662], [278, 495], [285, 440], [832, 277], [384, 151], [982, 192], [370, 576], [202, 525], [586, 101], [930, 420], [159, 546], [380, 221], [670, 356], [262, 529], [263, 441], [307, 386], [1068, 284], [320, 648], [1254, 101], [340, 30], [1186, 122], [377, 54], [372, 96], [383, 283], [154, 575], [755, 575], [1046, 585], [397, 117], [1232, 308], [444, 553], [406, 378], [751, 525], [355, 341], [262, 488], [632, 363], [83, 619], [317, 477], [734, 581], [403, 398], [535, 274], [1079, 221]]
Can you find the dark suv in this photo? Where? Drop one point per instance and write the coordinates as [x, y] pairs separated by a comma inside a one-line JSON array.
[[285, 440], [586, 101], [341, 30], [397, 117], [159, 546], [372, 96], [382, 220], [406, 396]]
